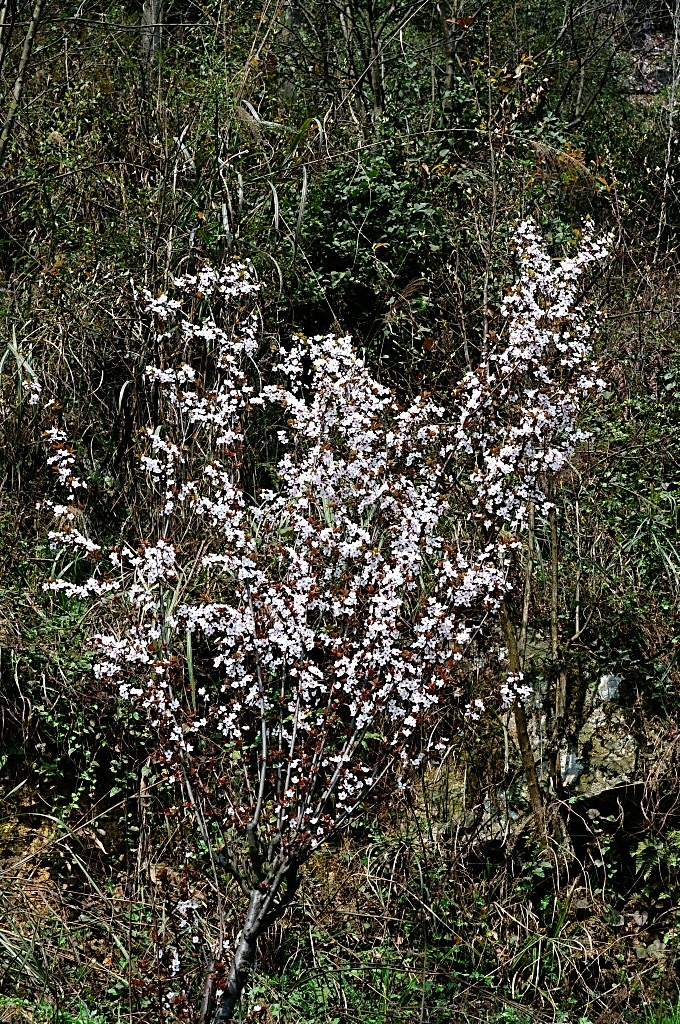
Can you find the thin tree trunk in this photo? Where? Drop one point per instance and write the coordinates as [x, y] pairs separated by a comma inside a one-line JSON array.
[[7, 19], [20, 80], [152, 16], [561, 682], [526, 599], [291, 25], [522, 728], [244, 958], [209, 993], [449, 32], [669, 178], [376, 78]]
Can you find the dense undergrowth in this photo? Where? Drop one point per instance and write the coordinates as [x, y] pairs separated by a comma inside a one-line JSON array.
[[376, 195]]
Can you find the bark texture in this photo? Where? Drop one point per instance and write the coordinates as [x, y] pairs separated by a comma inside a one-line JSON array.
[[244, 957], [152, 16], [522, 728]]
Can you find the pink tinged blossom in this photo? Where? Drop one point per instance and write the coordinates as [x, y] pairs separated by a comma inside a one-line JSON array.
[[336, 603]]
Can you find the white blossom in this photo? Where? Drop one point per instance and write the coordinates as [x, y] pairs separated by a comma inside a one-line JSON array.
[[338, 600]]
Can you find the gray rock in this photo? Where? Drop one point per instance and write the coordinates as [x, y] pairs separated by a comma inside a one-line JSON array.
[[570, 767], [609, 751], [608, 688]]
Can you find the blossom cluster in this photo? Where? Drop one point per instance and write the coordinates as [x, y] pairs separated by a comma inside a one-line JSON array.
[[328, 599], [519, 408]]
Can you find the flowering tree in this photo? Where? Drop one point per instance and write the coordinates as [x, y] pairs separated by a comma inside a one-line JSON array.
[[289, 630]]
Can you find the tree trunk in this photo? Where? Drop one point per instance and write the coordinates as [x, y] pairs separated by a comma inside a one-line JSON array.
[[521, 725], [152, 16], [244, 957], [449, 32], [376, 79], [209, 992], [291, 26], [561, 683], [8, 17], [20, 80]]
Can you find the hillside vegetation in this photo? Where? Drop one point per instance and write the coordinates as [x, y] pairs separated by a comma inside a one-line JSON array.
[[369, 161]]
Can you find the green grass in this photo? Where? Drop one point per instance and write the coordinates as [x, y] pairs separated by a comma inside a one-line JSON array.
[[43, 1013], [666, 1016]]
